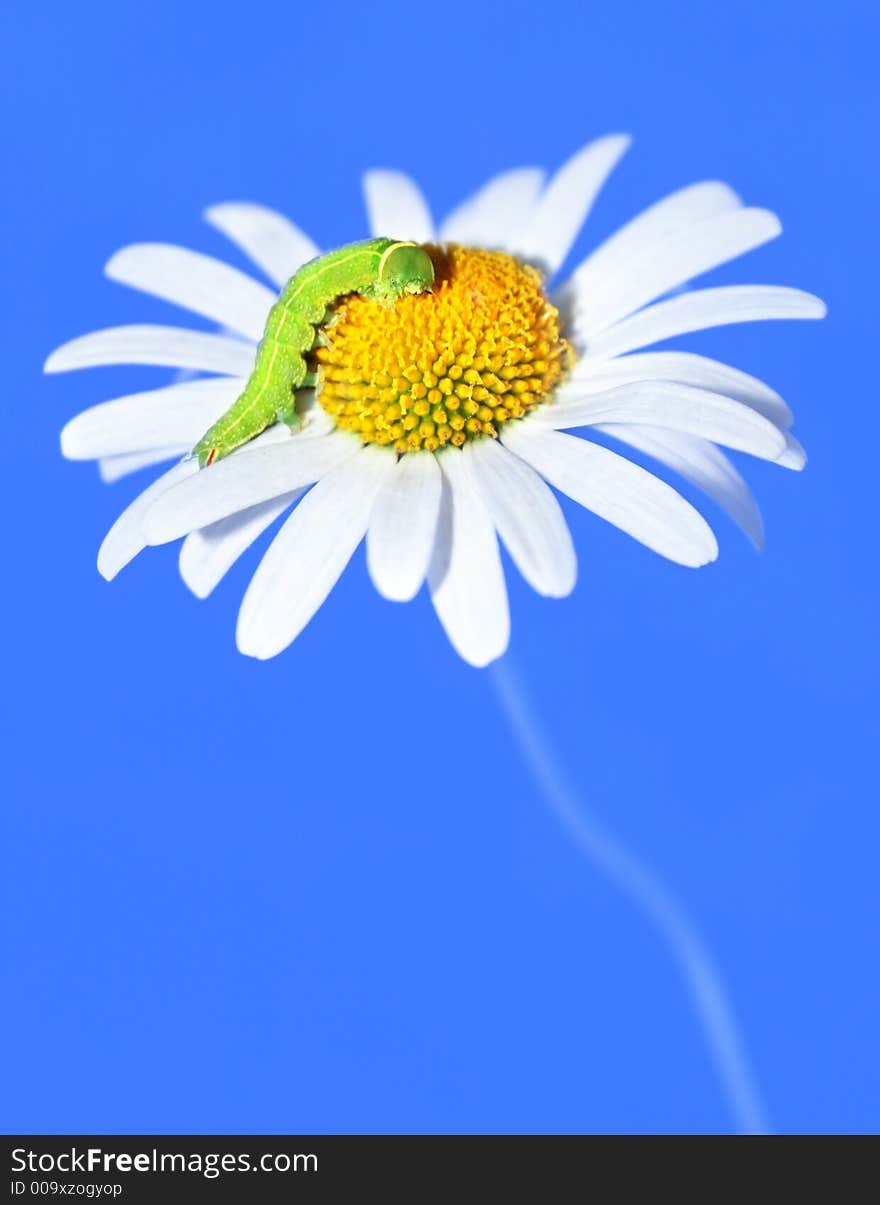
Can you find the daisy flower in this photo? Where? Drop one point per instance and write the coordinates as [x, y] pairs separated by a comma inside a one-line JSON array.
[[444, 423]]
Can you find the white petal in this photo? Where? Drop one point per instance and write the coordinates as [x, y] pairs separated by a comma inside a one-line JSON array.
[[273, 242], [396, 207], [669, 263], [595, 376], [669, 404], [251, 475], [702, 309], [125, 539], [307, 556], [701, 463], [206, 556], [794, 456], [402, 526], [195, 282], [113, 468], [176, 414], [671, 215], [527, 517], [170, 346], [465, 575], [495, 216], [567, 200], [315, 419], [617, 490]]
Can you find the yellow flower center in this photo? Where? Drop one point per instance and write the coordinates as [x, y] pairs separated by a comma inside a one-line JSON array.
[[483, 347]]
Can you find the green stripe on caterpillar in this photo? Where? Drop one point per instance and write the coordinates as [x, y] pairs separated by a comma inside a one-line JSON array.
[[380, 268]]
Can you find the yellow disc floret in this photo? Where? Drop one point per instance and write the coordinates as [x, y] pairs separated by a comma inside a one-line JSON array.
[[482, 348]]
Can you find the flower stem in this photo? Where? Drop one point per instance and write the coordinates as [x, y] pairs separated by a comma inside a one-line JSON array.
[[650, 895]]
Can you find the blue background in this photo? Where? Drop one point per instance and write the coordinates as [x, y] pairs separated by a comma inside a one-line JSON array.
[[323, 893]]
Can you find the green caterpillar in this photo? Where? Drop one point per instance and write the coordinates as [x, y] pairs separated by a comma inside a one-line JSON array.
[[380, 268]]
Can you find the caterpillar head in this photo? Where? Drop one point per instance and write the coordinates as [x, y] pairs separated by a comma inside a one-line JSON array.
[[405, 268]]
